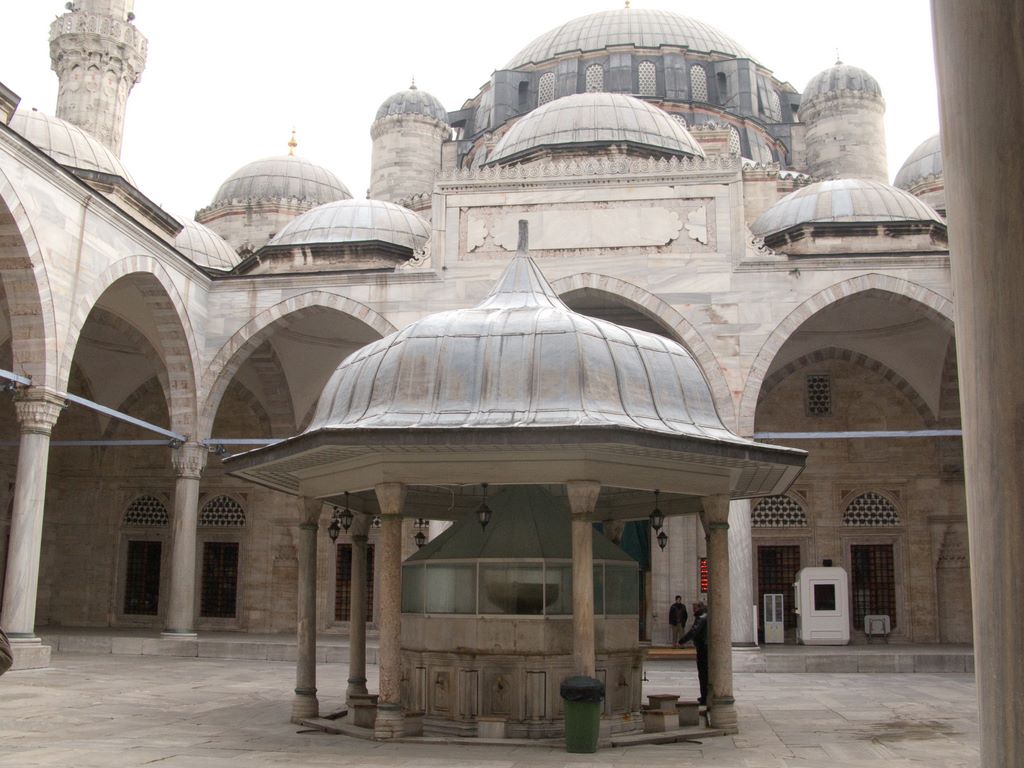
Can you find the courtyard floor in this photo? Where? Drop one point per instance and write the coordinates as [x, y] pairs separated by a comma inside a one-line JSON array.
[[113, 711]]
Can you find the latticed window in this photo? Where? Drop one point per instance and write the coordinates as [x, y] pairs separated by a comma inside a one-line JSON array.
[[698, 83], [871, 509], [873, 582], [142, 578], [343, 583], [777, 567], [680, 119], [734, 141], [222, 512], [219, 592], [778, 512], [774, 106], [546, 88], [648, 78], [819, 394], [146, 510], [595, 78]]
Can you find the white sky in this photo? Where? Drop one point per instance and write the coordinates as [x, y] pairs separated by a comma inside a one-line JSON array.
[[226, 81]]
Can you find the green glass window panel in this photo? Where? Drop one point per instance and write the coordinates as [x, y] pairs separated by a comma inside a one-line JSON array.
[[450, 588], [621, 590], [558, 586], [512, 589], [412, 589], [598, 590]]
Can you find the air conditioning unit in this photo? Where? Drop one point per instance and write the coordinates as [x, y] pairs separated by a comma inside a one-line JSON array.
[[877, 625]]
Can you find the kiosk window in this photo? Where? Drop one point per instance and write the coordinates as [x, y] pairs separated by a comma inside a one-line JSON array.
[[824, 597]]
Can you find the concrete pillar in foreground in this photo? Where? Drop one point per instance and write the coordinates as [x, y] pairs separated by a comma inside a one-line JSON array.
[[582, 501], [389, 723], [721, 706], [189, 461], [37, 410], [981, 76], [305, 703], [357, 610], [741, 576]]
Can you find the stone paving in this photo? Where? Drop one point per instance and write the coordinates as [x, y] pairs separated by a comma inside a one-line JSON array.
[[115, 711]]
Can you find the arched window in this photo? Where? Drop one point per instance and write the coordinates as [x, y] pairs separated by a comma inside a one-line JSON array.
[[648, 78], [546, 88], [734, 141], [146, 510], [143, 555], [524, 95], [698, 83], [218, 595], [222, 512], [595, 78], [871, 509], [778, 512], [723, 88]]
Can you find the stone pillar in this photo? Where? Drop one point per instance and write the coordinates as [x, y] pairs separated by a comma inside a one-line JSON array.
[[981, 72], [390, 719], [741, 574], [582, 501], [305, 704], [722, 706], [357, 610], [37, 410], [189, 461]]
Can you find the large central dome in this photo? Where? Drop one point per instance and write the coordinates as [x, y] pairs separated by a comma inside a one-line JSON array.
[[640, 27]]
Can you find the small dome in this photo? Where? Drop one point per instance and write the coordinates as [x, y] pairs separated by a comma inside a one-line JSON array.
[[204, 246], [282, 178], [838, 78], [356, 221], [413, 101], [639, 27], [67, 144], [595, 118], [925, 162], [843, 200]]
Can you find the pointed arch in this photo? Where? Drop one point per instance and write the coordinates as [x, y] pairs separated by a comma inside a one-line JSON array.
[[667, 317], [930, 303], [236, 350]]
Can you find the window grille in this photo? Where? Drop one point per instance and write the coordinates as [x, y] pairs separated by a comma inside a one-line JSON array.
[[595, 78], [146, 510], [142, 579], [681, 120], [343, 583], [648, 78], [698, 83], [774, 106], [778, 512], [734, 141], [219, 592], [222, 512], [776, 572], [871, 509], [873, 582], [819, 394], [546, 88]]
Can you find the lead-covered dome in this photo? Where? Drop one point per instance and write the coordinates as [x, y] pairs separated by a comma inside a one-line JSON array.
[[413, 101], [204, 246], [924, 163], [840, 78], [843, 201], [640, 27], [356, 221], [282, 178], [67, 144], [586, 119]]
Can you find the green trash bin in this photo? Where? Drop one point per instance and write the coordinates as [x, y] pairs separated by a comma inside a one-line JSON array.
[[582, 697]]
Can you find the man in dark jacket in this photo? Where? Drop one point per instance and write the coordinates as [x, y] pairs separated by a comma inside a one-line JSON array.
[[677, 619], [699, 634]]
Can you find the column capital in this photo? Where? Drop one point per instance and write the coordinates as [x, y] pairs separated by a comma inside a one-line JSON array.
[[189, 460], [37, 410], [715, 511], [582, 496], [310, 510], [390, 497]]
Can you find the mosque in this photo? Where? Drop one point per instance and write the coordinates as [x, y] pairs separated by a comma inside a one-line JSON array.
[[672, 186]]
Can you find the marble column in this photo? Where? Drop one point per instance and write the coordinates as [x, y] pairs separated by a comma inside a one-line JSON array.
[[582, 501], [37, 410], [981, 76], [741, 574], [357, 610], [722, 706], [390, 719], [189, 461], [305, 703]]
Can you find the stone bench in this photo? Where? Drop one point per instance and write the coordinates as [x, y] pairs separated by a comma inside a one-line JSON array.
[[660, 720], [666, 701], [364, 709], [688, 712], [490, 726]]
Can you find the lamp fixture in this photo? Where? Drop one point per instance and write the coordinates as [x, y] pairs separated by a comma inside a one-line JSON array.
[[657, 516], [420, 538], [662, 539], [334, 527], [483, 512]]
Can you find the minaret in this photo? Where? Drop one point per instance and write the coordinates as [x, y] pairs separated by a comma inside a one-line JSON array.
[[844, 112], [98, 56]]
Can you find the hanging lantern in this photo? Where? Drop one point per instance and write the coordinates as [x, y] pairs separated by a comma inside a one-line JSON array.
[[345, 518], [334, 527], [657, 516], [483, 512], [662, 539], [420, 538]]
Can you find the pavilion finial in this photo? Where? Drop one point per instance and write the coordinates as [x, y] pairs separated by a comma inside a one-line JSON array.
[[524, 238], [627, 5], [292, 144], [412, 85]]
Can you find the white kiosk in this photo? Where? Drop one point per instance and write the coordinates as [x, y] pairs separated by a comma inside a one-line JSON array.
[[822, 606]]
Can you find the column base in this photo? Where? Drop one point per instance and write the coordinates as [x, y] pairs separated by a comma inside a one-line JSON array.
[[29, 652], [305, 705], [356, 687], [173, 634], [722, 714], [390, 722]]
